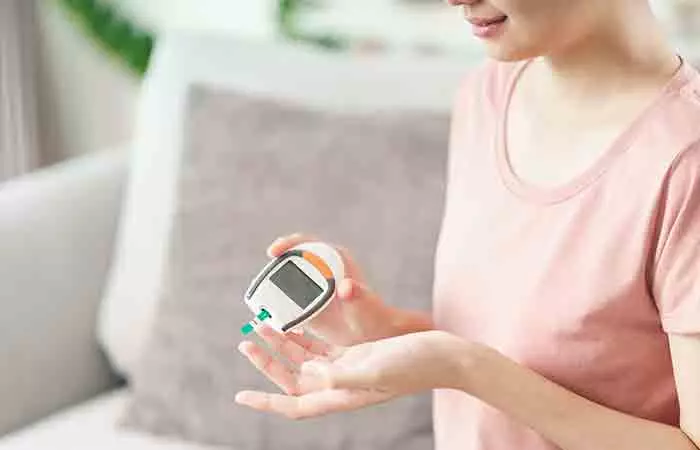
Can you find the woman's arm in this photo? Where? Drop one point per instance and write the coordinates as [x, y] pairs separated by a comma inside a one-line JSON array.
[[573, 422], [333, 379]]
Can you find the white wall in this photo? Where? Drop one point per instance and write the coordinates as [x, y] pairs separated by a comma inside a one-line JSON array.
[[87, 101], [252, 18]]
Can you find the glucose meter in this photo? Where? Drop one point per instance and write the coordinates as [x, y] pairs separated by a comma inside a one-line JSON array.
[[294, 288]]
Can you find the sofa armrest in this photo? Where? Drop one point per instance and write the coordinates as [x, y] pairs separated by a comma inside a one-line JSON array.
[[57, 228]]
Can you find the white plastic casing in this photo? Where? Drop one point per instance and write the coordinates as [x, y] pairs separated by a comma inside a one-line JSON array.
[[264, 294]]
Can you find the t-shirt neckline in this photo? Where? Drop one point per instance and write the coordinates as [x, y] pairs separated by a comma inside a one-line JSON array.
[[556, 194]]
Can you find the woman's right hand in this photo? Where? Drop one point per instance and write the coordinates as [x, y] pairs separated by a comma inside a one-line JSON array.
[[357, 314]]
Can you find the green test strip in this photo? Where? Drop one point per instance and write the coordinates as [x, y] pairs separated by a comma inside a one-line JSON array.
[[250, 326]]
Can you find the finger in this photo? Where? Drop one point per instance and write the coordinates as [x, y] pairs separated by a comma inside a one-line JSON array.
[[345, 289], [274, 370], [282, 244], [317, 347], [351, 290], [285, 243], [310, 405], [285, 345], [364, 311], [352, 270]]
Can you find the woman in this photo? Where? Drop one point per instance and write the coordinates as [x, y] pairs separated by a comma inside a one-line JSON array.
[[567, 290]]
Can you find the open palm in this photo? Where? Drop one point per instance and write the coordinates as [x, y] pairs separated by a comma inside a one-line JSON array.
[[326, 379]]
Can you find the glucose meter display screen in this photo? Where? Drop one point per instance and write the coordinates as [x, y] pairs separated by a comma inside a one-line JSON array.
[[296, 284]]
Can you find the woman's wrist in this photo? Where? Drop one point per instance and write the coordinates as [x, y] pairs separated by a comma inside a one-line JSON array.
[[403, 321], [468, 360]]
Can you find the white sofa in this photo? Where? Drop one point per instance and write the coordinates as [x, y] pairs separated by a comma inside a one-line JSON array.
[[81, 243], [57, 229], [57, 232]]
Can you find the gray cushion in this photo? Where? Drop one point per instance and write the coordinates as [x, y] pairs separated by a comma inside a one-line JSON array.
[[252, 170]]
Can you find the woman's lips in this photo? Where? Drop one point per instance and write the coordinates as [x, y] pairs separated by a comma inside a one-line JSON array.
[[487, 27]]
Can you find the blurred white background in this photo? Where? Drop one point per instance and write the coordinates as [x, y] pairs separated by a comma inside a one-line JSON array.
[[84, 245], [87, 100]]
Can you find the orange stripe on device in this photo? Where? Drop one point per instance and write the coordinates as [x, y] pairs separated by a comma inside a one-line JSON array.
[[318, 263]]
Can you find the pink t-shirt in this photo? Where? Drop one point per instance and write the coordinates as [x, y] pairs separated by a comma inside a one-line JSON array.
[[580, 283]]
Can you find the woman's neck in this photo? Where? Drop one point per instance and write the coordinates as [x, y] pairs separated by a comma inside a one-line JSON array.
[[631, 51]]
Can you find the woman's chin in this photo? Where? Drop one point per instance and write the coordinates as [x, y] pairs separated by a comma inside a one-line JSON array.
[[507, 52]]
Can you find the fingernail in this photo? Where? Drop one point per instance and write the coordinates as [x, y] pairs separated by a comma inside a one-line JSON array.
[[346, 289], [240, 398]]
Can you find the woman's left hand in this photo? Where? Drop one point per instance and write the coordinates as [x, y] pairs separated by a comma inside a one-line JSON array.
[[331, 379]]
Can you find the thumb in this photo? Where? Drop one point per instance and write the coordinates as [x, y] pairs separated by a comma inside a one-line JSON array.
[[365, 311], [351, 291]]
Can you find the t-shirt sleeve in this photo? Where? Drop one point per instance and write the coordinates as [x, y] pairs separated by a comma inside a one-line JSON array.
[[676, 276]]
